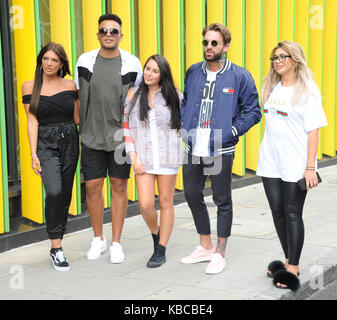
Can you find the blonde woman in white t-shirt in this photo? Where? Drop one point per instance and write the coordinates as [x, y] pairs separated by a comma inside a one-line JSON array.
[[293, 112]]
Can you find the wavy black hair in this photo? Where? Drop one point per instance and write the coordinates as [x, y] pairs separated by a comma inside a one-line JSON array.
[[168, 90]]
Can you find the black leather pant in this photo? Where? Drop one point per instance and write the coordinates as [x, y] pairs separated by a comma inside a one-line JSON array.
[[195, 174], [286, 202], [58, 150]]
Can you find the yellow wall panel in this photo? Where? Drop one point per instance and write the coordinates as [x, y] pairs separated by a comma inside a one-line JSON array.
[[269, 37], [301, 24], [235, 24], [180, 181], [215, 10], [172, 48], [25, 57], [270, 23], [60, 25], [254, 66], [91, 11], [194, 12], [73, 210], [123, 10], [105, 192], [171, 38], [147, 29], [329, 78], [316, 48], [132, 189], [287, 20]]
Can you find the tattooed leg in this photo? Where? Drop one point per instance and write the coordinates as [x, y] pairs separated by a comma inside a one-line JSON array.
[[221, 246]]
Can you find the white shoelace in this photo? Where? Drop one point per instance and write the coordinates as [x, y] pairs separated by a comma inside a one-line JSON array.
[[60, 256]]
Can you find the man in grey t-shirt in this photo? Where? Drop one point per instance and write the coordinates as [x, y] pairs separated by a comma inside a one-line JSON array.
[[103, 78]]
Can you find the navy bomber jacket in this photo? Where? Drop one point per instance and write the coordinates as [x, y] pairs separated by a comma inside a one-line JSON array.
[[235, 108]]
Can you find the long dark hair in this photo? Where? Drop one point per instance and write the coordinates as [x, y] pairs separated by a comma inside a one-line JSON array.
[[168, 90], [38, 79]]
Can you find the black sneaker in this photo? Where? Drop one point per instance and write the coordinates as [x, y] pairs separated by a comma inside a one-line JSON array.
[[158, 257], [58, 259]]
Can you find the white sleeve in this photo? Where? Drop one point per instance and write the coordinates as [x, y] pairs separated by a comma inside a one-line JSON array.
[[76, 74], [139, 73], [314, 116]]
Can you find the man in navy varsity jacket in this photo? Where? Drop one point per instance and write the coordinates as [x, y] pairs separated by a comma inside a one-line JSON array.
[[220, 104]]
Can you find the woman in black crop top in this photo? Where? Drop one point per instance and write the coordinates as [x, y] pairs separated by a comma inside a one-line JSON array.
[[52, 107]]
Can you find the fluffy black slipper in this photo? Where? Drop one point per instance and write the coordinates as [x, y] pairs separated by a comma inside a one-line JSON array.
[[286, 278], [275, 266]]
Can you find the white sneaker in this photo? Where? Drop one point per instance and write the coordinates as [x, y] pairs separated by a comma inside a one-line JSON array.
[[216, 265], [98, 246], [200, 254], [116, 253]]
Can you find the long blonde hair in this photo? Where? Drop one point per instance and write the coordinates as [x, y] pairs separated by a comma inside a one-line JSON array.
[[303, 74]]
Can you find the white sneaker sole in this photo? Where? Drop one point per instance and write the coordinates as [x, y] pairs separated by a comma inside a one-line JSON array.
[[214, 271], [59, 268], [195, 261], [94, 258], [117, 261]]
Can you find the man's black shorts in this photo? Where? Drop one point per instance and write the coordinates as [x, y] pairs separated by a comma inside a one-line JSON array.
[[95, 164]]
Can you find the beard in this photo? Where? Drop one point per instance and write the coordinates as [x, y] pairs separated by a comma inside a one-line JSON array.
[[215, 58]]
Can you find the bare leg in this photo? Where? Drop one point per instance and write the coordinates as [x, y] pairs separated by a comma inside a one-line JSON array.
[[119, 202], [206, 241], [166, 187], [56, 243], [95, 204], [145, 189]]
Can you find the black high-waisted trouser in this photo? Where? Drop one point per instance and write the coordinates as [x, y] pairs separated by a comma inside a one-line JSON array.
[[58, 150], [286, 202]]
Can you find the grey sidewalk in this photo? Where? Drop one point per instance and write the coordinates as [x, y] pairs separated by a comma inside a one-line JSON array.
[[26, 272]]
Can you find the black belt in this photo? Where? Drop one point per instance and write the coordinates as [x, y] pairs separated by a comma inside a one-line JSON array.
[[56, 124]]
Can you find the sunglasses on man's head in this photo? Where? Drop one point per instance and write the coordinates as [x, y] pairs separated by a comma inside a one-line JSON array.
[[214, 43], [105, 31]]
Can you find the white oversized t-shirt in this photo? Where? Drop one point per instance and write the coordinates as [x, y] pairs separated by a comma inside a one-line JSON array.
[[284, 148], [201, 147]]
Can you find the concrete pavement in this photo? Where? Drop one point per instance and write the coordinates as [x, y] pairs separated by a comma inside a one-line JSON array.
[[27, 273]]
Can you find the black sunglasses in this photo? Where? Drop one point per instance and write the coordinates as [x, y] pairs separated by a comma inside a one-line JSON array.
[[105, 31], [214, 43]]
